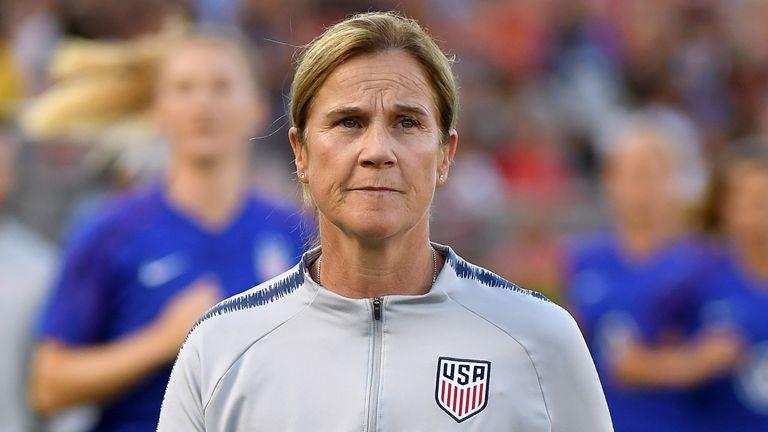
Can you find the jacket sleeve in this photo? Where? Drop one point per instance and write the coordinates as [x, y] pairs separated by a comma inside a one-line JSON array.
[[182, 408], [572, 390]]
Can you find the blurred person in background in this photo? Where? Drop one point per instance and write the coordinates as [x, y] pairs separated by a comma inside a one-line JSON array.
[[11, 83], [734, 288], [137, 277], [631, 286], [27, 264]]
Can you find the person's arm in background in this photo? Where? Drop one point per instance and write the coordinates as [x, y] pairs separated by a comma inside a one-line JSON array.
[[633, 362], [72, 363], [680, 365], [678, 362], [63, 375]]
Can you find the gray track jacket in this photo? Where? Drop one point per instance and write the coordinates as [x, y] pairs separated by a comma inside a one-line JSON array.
[[476, 353]]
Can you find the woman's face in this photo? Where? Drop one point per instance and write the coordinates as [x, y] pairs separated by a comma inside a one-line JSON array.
[[205, 101], [640, 181], [372, 155], [746, 205]]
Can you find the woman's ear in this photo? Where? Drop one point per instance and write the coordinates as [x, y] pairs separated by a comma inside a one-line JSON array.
[[299, 154], [447, 152]]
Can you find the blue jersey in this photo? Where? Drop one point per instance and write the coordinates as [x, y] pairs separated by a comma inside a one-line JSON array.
[[123, 268], [737, 402], [615, 298]]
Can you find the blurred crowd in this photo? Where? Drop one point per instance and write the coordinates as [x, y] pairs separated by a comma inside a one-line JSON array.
[[611, 155], [540, 80]]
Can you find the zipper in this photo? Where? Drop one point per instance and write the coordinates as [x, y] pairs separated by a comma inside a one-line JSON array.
[[377, 309], [373, 396]]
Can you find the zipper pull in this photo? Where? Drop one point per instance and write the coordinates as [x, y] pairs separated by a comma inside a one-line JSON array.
[[377, 308]]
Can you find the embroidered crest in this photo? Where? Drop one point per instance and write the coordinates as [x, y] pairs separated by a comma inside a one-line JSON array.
[[461, 388]]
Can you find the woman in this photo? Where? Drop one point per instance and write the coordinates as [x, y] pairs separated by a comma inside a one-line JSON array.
[[379, 329], [138, 274], [735, 289], [632, 286]]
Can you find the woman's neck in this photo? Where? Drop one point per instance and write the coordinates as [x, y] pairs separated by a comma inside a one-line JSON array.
[[643, 240], [404, 265], [210, 194], [754, 258]]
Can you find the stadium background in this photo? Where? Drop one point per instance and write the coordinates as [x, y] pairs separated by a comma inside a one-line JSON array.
[[538, 80]]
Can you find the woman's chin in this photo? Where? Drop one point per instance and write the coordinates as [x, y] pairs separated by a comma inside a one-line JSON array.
[[374, 227], [373, 232]]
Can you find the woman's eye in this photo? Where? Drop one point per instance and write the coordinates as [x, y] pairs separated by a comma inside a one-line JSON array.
[[348, 123]]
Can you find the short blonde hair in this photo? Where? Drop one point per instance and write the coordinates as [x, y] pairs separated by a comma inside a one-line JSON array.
[[369, 33]]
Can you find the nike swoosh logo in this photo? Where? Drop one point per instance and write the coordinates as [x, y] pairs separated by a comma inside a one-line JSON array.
[[152, 274]]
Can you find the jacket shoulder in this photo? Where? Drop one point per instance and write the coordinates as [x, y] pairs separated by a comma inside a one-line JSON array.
[[261, 295], [228, 329], [525, 315], [550, 338]]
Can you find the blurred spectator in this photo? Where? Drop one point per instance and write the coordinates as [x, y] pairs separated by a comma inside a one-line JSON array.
[[34, 31], [92, 125], [630, 287], [531, 253], [11, 85], [106, 19], [26, 267], [532, 161], [467, 212], [135, 279], [734, 288], [575, 63]]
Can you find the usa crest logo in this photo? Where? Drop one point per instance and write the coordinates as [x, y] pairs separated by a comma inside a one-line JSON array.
[[462, 386]]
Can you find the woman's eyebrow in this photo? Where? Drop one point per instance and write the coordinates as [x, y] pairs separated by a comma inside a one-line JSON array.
[[345, 111], [354, 111], [410, 109]]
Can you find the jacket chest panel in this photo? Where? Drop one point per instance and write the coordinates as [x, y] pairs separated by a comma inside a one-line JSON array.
[[317, 379]]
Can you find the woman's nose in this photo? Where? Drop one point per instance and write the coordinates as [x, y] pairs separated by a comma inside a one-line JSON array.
[[377, 148]]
